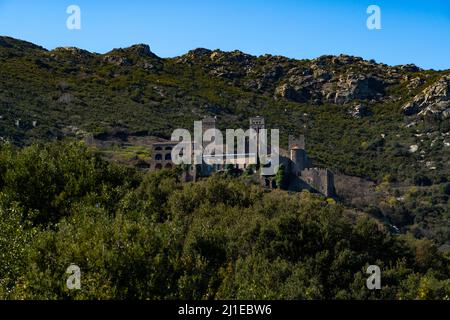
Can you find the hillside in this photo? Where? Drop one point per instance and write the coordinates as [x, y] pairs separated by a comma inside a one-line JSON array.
[[388, 125]]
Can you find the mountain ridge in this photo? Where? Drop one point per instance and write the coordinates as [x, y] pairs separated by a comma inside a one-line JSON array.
[[5, 41]]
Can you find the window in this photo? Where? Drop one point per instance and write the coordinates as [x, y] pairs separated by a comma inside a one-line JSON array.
[[268, 164], [168, 156], [158, 157]]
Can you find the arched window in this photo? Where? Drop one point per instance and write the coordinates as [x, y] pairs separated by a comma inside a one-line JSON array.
[[168, 166], [158, 148], [158, 166], [158, 157], [268, 164], [168, 156], [169, 148]]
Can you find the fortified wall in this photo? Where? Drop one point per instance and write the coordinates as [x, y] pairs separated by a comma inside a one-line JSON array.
[[322, 180]]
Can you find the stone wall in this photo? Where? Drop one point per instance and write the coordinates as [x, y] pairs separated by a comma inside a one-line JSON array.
[[322, 180]]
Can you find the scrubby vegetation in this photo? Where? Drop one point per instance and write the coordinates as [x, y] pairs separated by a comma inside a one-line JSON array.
[[149, 236], [131, 93]]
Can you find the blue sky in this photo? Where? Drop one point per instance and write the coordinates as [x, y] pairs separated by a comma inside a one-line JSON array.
[[412, 31]]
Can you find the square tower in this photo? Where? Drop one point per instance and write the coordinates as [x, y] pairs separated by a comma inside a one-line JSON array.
[[208, 123], [257, 123], [297, 142], [298, 154]]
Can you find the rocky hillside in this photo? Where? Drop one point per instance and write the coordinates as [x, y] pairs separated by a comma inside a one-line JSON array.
[[387, 125], [433, 101], [356, 114]]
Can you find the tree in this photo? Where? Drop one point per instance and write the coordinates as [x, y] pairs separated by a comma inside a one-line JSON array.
[[280, 177]]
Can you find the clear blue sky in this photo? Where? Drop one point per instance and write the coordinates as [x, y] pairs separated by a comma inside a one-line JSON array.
[[412, 31]]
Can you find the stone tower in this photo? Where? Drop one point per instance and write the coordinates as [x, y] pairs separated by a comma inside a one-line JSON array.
[[208, 123], [297, 142], [298, 154], [257, 123]]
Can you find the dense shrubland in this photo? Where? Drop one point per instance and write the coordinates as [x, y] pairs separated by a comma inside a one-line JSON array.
[[149, 236]]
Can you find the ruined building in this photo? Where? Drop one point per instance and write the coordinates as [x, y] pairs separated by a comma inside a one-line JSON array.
[[298, 167]]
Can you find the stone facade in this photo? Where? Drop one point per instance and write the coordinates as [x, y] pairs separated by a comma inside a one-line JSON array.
[[162, 155]]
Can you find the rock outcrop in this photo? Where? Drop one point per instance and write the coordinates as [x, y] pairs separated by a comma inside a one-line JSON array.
[[321, 86], [433, 101], [139, 54]]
